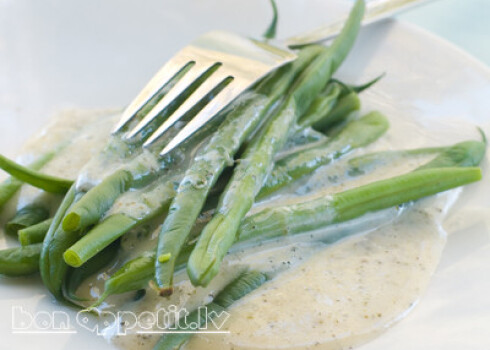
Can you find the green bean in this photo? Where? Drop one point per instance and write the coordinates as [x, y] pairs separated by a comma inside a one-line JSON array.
[[249, 175], [11, 185], [270, 32], [177, 339], [350, 204], [483, 136], [75, 277], [52, 266], [136, 273], [45, 182], [303, 138], [146, 269], [8, 188], [112, 228], [241, 286], [97, 200], [359, 88], [35, 233], [303, 133], [368, 162], [20, 261], [326, 111], [210, 162], [344, 106], [25, 217], [321, 106], [198, 181], [133, 275], [90, 245], [463, 154], [356, 134], [58, 269]]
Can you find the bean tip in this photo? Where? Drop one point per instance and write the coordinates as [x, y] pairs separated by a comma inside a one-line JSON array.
[[166, 292], [72, 259], [71, 222]]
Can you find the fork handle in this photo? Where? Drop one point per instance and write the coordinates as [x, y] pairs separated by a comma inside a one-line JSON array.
[[375, 10]]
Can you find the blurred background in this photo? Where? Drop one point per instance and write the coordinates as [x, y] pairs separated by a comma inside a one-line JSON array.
[[465, 23]]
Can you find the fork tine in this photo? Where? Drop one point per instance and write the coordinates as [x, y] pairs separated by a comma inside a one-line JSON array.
[[196, 71], [219, 103], [208, 86], [163, 76]]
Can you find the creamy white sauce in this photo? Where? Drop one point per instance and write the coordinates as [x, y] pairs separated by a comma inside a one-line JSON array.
[[344, 294], [66, 127]]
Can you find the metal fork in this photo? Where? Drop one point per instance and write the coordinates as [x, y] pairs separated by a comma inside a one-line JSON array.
[[233, 64]]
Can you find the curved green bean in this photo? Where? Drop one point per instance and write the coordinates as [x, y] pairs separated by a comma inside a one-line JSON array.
[[51, 264], [344, 107], [133, 275], [137, 273], [358, 88], [463, 154], [8, 188], [20, 261], [270, 32], [45, 182], [321, 106], [11, 185]]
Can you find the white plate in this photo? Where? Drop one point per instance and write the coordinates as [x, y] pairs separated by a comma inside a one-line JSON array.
[[56, 54]]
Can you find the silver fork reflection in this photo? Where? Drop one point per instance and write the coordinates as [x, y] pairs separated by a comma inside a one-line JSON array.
[[230, 65]]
